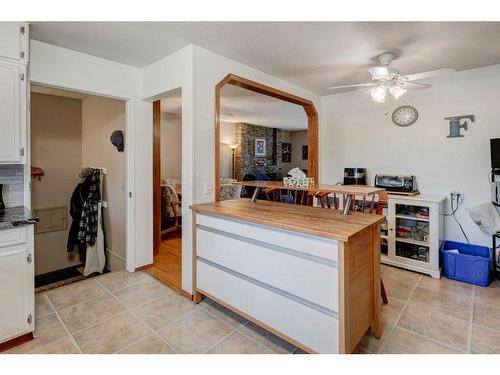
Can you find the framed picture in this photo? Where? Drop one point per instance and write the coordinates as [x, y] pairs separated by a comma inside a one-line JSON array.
[[260, 147], [286, 152], [305, 152]]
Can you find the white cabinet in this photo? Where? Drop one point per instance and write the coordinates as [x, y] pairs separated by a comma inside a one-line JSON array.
[[14, 41], [16, 283], [12, 112], [414, 233], [13, 91]]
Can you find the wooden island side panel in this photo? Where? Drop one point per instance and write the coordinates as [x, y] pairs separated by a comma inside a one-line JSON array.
[[359, 284]]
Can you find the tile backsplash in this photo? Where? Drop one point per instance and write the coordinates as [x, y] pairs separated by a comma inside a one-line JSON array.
[[11, 177]]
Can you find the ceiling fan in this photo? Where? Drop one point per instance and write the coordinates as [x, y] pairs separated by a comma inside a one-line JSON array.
[[386, 80]]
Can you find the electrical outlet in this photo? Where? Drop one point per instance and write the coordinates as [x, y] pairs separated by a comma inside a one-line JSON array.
[[457, 196]]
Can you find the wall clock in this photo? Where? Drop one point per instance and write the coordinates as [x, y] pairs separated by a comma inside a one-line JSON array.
[[404, 115]]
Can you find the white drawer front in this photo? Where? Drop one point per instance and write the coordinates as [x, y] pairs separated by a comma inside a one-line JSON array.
[[306, 325], [311, 278], [14, 236], [321, 247]]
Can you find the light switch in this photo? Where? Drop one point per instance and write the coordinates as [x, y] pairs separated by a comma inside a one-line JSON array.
[[209, 188]]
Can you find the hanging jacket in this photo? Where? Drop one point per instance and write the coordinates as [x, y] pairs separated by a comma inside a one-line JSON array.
[[84, 212]]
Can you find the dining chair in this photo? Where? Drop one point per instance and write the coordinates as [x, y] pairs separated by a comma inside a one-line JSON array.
[[171, 217], [230, 191]]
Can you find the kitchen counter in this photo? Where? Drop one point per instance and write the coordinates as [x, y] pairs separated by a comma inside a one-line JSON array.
[[305, 219], [309, 275], [11, 217]]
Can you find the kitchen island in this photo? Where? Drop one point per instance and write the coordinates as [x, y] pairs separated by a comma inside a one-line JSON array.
[[309, 275]]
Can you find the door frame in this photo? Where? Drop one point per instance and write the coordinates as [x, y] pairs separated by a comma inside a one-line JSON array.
[[129, 163], [306, 104], [156, 176]]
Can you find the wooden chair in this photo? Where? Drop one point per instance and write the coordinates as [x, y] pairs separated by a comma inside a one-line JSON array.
[[230, 191], [276, 195], [171, 212]]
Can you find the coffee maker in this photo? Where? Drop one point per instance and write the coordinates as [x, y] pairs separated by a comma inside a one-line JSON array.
[[354, 176]]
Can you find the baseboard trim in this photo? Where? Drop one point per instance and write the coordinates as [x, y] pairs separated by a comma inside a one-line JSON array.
[[187, 295], [142, 268], [16, 341], [114, 261]]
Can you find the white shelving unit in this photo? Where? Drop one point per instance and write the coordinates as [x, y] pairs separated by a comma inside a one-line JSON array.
[[413, 233]]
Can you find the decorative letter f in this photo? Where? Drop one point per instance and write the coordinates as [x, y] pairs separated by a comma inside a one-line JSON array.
[[456, 124]]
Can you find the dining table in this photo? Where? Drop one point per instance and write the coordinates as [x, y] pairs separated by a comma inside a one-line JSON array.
[[349, 191]]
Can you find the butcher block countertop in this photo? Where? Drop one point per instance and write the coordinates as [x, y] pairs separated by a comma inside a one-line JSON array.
[[362, 190], [321, 222]]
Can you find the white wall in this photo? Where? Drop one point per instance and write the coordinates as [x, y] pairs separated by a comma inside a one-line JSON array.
[[100, 117], [56, 147], [299, 139], [356, 132], [159, 79], [171, 147], [226, 155], [64, 68]]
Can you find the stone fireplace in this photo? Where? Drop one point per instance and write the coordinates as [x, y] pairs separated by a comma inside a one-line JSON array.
[[245, 159]]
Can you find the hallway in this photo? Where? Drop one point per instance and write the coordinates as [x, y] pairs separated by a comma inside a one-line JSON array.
[[167, 264]]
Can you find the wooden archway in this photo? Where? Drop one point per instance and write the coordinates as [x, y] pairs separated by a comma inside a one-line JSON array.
[[308, 105]]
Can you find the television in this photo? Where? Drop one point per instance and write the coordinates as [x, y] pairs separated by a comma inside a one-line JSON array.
[[495, 153]]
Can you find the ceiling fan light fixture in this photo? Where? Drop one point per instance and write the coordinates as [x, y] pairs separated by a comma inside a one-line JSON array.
[[397, 92], [379, 94]]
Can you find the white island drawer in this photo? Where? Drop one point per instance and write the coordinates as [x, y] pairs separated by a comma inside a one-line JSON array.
[[309, 277], [14, 236], [306, 325], [317, 246]]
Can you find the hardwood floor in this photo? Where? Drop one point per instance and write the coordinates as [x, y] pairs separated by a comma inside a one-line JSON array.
[[167, 263]]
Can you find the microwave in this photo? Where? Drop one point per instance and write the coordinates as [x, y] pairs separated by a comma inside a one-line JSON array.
[[396, 183]]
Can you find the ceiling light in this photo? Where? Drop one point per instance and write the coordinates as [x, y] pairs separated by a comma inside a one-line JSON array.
[[397, 92], [379, 94]]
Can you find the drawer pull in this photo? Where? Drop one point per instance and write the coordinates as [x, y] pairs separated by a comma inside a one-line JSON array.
[[271, 288], [295, 253]]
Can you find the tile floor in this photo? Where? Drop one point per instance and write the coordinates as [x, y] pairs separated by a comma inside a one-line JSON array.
[[134, 313], [425, 315]]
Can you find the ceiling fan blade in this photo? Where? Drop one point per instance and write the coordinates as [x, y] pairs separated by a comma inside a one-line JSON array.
[[430, 73], [352, 86], [379, 72], [413, 85]]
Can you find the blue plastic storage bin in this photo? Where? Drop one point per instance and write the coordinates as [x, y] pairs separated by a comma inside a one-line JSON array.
[[472, 264]]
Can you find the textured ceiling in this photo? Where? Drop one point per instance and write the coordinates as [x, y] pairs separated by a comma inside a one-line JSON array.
[[312, 55]]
